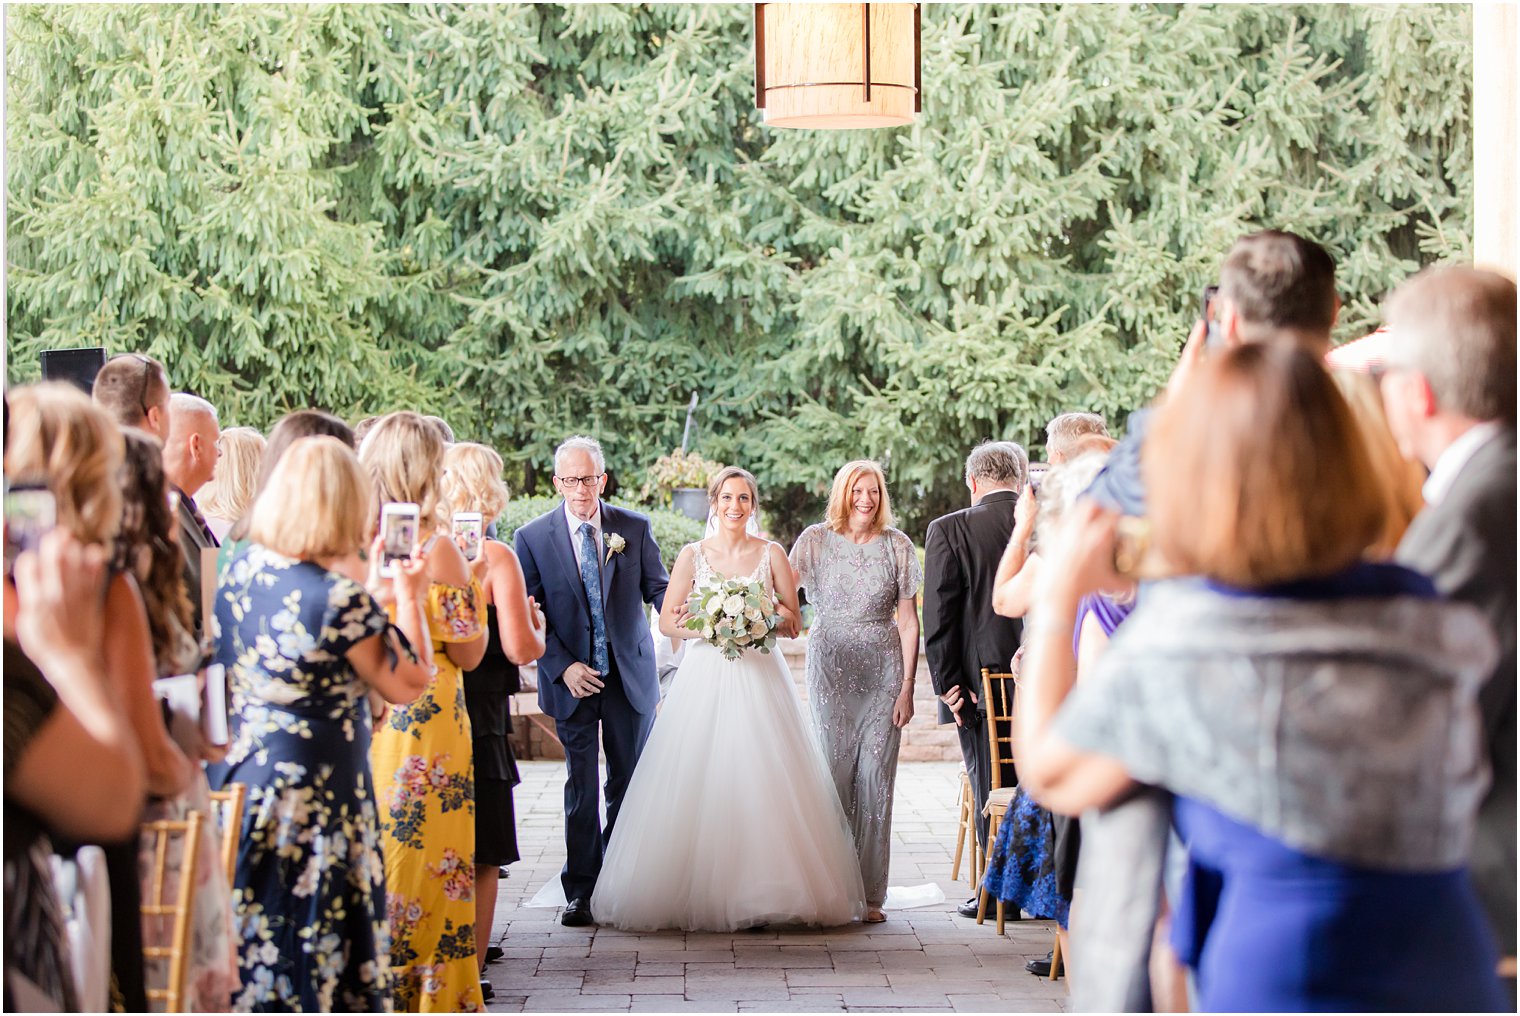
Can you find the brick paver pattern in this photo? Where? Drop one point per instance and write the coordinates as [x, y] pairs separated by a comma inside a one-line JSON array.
[[923, 960]]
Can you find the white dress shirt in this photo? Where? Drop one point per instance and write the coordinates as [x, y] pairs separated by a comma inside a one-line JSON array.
[[1457, 454], [575, 533]]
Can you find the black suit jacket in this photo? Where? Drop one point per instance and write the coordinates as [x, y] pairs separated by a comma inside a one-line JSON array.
[[192, 540], [1466, 544], [961, 633]]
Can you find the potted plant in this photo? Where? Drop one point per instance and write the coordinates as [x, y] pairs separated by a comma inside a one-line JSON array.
[[681, 478]]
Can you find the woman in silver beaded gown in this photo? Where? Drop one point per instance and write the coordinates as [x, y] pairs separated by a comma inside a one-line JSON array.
[[862, 578]]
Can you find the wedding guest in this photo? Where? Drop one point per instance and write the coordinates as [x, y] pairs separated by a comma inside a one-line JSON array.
[[145, 549], [1329, 873], [72, 766], [422, 755], [1032, 865], [190, 453], [961, 633], [363, 427], [1018, 570], [304, 642], [291, 428], [1276, 288], [58, 437], [862, 577], [229, 494], [1449, 386], [133, 389], [515, 636], [1064, 435]]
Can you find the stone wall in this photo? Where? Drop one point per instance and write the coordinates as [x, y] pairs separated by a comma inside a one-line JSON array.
[[923, 740]]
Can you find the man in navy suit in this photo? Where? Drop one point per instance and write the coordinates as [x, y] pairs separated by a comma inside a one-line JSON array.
[[593, 567]]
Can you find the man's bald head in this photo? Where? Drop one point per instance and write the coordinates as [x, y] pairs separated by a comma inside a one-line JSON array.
[[191, 449]]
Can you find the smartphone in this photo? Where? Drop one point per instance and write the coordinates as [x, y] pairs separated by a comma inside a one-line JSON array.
[[216, 703], [469, 527], [398, 534], [1037, 471], [30, 511], [1211, 327]]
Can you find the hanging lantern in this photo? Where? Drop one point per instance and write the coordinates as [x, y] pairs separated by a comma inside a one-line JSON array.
[[837, 66]]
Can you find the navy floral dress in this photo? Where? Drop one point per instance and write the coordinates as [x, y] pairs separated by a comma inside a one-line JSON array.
[[309, 894]]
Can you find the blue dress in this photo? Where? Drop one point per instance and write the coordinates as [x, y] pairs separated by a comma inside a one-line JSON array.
[[1270, 928], [309, 892], [1021, 870]]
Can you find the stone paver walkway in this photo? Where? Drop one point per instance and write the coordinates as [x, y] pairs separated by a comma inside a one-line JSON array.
[[927, 959]]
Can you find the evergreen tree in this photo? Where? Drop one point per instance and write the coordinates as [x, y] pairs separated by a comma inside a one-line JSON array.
[[539, 219]]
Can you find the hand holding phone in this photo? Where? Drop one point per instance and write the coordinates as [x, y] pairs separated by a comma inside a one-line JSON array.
[[469, 530], [30, 513], [398, 534]]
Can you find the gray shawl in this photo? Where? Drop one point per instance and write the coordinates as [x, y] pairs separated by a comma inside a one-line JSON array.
[[1347, 729]]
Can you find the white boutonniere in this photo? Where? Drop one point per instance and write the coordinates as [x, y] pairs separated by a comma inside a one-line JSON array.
[[615, 545]]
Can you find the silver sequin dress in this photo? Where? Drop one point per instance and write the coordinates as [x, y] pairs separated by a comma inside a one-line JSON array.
[[855, 673]]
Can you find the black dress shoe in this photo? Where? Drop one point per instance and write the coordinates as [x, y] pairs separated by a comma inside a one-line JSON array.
[[577, 914], [501, 872], [1041, 967], [494, 953], [486, 991], [968, 909]]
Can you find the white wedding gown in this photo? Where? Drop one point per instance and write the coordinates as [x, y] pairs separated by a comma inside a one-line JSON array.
[[731, 819]]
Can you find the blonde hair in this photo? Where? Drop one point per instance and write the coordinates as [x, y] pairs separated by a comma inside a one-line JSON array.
[[235, 481], [404, 456], [722, 476], [837, 516], [472, 480], [1402, 481], [316, 503], [1258, 472], [59, 437]]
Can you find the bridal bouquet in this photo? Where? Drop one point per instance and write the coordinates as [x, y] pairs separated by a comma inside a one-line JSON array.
[[734, 615]]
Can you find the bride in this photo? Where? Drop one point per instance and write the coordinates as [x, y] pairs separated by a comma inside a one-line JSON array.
[[731, 819]]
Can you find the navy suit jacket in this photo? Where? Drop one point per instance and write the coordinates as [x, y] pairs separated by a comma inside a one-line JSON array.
[[629, 581]]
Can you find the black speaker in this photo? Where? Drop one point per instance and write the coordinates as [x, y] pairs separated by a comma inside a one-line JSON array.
[[76, 366]]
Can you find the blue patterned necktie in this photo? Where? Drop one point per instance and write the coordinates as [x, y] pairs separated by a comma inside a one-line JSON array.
[[591, 578]]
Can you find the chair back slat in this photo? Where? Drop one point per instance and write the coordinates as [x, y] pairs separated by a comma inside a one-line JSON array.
[[228, 806], [998, 694]]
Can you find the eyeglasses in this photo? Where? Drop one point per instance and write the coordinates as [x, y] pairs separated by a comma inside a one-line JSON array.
[[579, 481]]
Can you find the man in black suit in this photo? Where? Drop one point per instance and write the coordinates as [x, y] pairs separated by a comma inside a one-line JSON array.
[[961, 633], [1449, 389], [190, 454]]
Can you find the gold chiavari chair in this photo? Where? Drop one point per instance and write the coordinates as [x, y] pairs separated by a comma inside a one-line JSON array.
[[156, 907], [998, 698]]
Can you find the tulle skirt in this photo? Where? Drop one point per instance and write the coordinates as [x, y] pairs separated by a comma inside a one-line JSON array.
[[731, 819]]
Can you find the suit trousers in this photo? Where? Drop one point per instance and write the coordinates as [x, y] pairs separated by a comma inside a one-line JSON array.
[[623, 731], [977, 753]]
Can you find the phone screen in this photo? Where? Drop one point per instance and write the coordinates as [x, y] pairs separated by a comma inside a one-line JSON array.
[[398, 534], [1211, 327], [468, 530], [1037, 471], [30, 511]]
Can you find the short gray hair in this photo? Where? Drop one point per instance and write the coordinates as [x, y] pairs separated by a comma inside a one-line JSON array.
[[998, 462], [184, 402], [1456, 326], [581, 443], [1063, 433]]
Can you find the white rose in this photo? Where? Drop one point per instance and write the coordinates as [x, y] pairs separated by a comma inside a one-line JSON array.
[[714, 604], [734, 605], [758, 629], [753, 614], [707, 631]]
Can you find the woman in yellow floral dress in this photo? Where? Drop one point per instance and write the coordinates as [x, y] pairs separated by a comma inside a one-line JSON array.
[[421, 756]]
